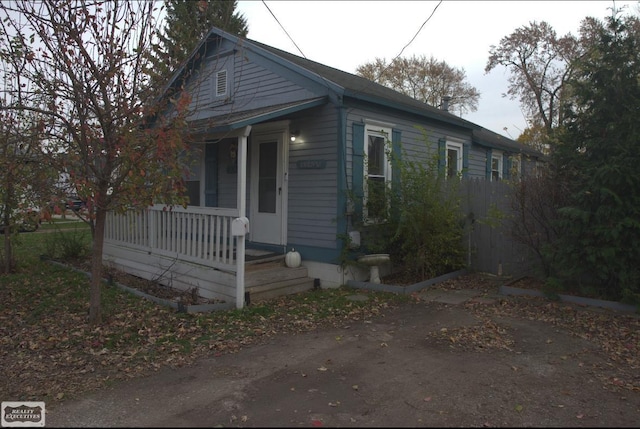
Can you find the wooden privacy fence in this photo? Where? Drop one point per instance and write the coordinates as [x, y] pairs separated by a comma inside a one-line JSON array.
[[488, 208]]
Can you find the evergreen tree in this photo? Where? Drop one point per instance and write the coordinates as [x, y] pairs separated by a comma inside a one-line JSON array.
[[186, 23], [597, 157]]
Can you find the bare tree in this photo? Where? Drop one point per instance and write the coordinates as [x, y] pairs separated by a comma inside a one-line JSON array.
[[540, 64], [119, 146], [425, 79]]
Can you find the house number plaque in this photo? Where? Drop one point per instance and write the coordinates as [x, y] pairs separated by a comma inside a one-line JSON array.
[[317, 164]]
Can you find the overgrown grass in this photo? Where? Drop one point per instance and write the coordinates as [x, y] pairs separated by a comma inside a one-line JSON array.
[[48, 350]]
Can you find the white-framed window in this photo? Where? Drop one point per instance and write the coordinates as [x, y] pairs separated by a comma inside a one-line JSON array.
[[377, 172], [221, 83], [496, 166], [454, 151]]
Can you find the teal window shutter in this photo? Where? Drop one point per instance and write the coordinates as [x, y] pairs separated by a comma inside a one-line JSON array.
[[442, 156], [396, 155], [506, 166], [465, 160], [488, 168], [358, 168]]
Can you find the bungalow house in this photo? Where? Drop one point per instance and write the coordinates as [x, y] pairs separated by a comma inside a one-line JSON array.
[[287, 150]]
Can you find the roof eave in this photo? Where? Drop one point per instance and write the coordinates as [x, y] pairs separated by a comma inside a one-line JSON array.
[[231, 126], [411, 109], [523, 150]]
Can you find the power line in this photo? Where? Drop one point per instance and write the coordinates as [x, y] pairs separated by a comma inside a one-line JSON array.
[[283, 29], [420, 29], [405, 46]]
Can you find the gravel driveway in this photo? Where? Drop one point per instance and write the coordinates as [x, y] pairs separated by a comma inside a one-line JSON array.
[[428, 363]]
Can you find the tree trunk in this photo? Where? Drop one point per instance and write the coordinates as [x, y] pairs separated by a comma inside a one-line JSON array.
[[8, 256], [8, 253], [95, 310]]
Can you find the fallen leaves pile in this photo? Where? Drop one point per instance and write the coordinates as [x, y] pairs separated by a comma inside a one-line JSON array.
[[616, 334], [49, 352]]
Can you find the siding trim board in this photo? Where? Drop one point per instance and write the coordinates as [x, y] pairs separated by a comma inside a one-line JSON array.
[[396, 155], [342, 180], [358, 168], [239, 121]]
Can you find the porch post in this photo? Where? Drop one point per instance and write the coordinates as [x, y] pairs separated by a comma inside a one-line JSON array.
[[242, 172], [242, 213]]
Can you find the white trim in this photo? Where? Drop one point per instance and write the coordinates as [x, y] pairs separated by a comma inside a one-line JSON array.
[[498, 156], [280, 134], [458, 146], [272, 127], [386, 133], [241, 197], [377, 123]]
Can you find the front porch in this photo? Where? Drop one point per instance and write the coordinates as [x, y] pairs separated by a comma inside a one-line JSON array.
[[197, 247]]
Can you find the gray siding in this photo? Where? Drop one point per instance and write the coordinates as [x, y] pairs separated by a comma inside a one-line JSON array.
[[313, 193], [413, 137], [477, 163], [251, 85]]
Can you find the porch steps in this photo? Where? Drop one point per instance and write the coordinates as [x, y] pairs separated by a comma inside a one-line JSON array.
[[272, 279], [262, 260]]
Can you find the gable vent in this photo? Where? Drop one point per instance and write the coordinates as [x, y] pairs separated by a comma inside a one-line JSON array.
[[221, 83]]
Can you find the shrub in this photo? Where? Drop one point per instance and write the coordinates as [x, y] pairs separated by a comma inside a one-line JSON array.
[[69, 244], [423, 229]]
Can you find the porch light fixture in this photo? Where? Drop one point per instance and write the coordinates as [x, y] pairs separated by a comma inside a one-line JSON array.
[[294, 135]]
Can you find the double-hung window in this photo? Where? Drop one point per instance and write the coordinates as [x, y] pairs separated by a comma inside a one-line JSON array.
[[496, 166], [454, 153], [377, 172]]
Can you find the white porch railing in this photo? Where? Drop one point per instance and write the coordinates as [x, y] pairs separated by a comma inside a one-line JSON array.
[[196, 234]]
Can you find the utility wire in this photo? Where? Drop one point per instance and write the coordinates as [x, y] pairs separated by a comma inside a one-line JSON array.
[[385, 69], [283, 29], [405, 47], [420, 29]]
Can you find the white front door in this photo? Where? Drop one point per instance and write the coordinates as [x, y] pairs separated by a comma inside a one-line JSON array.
[[268, 214]]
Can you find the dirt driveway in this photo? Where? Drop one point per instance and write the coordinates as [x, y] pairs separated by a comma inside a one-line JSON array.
[[422, 364]]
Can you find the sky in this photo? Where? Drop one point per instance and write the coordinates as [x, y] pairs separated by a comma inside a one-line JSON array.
[[346, 34]]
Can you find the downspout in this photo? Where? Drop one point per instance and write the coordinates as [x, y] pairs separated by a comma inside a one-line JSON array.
[[242, 214]]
